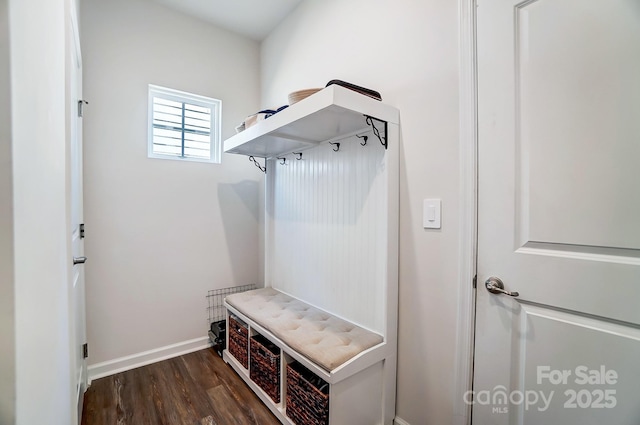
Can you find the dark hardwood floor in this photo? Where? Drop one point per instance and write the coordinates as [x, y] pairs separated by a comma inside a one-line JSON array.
[[194, 389]]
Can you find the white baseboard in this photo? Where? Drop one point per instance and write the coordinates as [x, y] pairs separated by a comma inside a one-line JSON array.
[[111, 367], [400, 421]]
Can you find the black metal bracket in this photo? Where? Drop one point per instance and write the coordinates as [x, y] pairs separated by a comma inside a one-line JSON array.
[[337, 144], [257, 164], [299, 155], [284, 160], [376, 132], [365, 139]]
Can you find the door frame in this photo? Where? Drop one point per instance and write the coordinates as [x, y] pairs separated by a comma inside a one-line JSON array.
[[73, 38], [468, 230]]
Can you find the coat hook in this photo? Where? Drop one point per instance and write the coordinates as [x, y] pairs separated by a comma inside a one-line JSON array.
[[299, 155], [337, 146], [81, 104], [365, 139], [284, 160]]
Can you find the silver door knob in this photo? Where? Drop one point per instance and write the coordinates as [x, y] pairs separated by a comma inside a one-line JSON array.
[[79, 260], [495, 286]]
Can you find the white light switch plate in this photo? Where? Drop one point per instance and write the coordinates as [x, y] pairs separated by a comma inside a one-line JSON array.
[[431, 213]]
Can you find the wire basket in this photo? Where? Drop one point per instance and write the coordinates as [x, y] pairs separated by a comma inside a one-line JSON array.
[[215, 299], [217, 314]]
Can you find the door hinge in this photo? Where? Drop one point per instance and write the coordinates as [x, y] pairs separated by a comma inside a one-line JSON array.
[[475, 281], [85, 350], [81, 230], [81, 104]]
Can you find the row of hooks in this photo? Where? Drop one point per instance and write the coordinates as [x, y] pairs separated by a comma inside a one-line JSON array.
[[284, 159], [368, 119]]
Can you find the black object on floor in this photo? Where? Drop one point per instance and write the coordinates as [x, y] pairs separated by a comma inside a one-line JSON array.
[[218, 335]]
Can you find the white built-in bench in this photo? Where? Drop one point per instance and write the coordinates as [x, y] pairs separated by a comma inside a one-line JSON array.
[[351, 359], [324, 339], [331, 257]]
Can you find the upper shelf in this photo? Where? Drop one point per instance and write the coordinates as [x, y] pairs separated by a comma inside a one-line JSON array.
[[330, 114]]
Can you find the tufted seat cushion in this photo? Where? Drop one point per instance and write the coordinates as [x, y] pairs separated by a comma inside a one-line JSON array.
[[324, 339]]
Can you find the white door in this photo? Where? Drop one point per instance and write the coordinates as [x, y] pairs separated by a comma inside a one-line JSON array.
[[76, 288], [559, 213]]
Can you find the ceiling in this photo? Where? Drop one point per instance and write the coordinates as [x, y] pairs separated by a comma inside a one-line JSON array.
[[252, 18]]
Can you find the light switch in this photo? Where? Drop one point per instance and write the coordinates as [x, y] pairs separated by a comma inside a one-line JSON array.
[[431, 213]]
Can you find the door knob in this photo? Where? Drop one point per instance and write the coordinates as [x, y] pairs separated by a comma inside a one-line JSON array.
[[79, 260], [495, 286]]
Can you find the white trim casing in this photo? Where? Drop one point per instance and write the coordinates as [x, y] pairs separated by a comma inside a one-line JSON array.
[[122, 364], [215, 128], [468, 212]]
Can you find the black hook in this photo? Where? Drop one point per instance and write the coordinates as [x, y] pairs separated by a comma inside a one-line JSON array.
[[365, 139], [81, 103], [337, 146], [284, 160], [299, 155], [257, 164]]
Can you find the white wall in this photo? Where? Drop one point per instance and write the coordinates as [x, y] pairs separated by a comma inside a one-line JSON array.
[[407, 50], [7, 331], [44, 385], [160, 233], [328, 234]]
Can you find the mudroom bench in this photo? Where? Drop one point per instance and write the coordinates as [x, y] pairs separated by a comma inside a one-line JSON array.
[[318, 342], [337, 356]]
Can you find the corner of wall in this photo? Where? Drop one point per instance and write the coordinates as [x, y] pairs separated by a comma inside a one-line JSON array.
[[7, 319], [400, 421]]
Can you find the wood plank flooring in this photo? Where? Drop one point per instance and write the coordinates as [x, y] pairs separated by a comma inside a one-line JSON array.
[[194, 389]]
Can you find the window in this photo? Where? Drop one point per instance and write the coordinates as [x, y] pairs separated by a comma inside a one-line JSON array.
[[183, 126]]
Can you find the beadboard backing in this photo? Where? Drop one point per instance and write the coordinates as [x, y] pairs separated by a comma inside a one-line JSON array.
[[327, 236]]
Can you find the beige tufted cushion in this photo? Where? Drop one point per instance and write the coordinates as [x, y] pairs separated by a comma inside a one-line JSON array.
[[324, 339]]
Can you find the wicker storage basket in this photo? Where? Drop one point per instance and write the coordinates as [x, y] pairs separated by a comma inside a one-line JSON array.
[[297, 96], [238, 340], [264, 367], [307, 396]]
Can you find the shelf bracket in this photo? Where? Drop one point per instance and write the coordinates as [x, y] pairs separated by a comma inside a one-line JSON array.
[[257, 164], [382, 136]]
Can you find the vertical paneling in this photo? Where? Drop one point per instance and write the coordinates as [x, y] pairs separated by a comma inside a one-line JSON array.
[[327, 235]]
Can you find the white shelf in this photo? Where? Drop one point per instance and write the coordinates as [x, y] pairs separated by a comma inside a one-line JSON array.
[[330, 114]]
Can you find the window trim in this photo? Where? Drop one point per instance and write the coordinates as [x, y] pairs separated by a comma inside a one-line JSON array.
[[215, 151]]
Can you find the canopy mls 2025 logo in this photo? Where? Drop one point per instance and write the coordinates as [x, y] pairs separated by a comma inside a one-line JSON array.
[[590, 389]]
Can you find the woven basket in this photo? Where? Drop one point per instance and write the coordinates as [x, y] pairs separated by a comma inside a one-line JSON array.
[[264, 368], [307, 396], [297, 96], [238, 341]]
